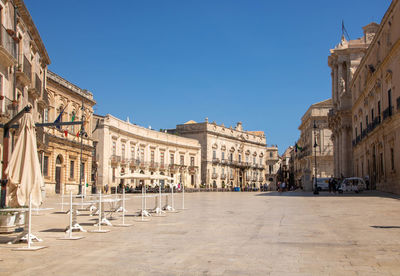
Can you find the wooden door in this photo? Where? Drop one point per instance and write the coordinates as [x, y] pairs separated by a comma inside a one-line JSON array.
[[58, 180]]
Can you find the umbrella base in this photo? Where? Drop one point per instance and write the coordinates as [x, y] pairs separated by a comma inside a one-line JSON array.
[[99, 231], [32, 237], [75, 227], [29, 248], [122, 225], [104, 221]]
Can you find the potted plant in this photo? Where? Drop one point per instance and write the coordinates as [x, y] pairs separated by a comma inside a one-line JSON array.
[[7, 221]]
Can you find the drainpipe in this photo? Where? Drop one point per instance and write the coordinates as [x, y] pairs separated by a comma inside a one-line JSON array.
[[6, 131]]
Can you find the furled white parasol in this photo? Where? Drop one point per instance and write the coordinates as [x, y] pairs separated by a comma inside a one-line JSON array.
[[23, 171]]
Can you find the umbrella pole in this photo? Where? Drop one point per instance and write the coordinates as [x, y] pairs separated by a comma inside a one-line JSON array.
[[70, 215], [159, 200], [62, 201], [142, 200], [172, 198], [99, 230], [30, 236], [100, 212], [145, 207], [29, 224], [123, 206], [183, 197]]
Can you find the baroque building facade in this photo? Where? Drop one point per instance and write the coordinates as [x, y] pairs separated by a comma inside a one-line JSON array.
[[314, 142], [230, 157], [375, 112], [23, 69], [123, 147], [343, 61], [273, 163], [63, 167]]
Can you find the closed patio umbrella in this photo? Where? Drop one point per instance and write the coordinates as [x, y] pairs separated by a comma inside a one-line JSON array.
[[23, 170]]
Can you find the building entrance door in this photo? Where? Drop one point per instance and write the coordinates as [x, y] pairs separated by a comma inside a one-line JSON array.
[[58, 180], [58, 174]]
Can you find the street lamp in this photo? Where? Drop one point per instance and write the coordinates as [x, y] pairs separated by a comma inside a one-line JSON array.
[[315, 160]]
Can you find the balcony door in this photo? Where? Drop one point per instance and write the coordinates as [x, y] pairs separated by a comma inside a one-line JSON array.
[[58, 174]]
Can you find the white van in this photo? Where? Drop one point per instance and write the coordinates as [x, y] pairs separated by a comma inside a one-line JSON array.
[[352, 184], [323, 183]]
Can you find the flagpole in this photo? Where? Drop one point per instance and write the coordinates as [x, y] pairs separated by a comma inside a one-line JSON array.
[[81, 164]]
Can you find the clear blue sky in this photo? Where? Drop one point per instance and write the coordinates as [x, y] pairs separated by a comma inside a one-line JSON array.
[[164, 62]]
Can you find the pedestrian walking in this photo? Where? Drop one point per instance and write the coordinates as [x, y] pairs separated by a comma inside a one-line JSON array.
[[331, 184]]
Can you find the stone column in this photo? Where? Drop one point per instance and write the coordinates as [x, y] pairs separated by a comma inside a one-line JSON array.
[[335, 95]]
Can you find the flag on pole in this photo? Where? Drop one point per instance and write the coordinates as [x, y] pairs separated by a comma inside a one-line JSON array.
[[59, 117], [297, 147]]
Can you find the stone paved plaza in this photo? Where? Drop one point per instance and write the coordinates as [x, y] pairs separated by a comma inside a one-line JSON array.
[[292, 233]]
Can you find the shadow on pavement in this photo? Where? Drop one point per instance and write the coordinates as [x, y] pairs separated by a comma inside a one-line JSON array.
[[385, 227], [327, 194]]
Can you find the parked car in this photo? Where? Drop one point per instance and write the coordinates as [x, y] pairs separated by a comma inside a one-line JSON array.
[[352, 184], [323, 183]]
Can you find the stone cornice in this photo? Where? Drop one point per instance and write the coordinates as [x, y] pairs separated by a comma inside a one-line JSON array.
[[70, 86], [115, 130], [26, 17]]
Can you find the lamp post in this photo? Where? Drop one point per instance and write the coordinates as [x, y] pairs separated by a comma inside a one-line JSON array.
[[81, 133], [315, 160]]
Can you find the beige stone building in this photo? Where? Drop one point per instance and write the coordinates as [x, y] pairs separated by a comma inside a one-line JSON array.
[[273, 163], [231, 157], [375, 111], [343, 61], [284, 173], [23, 67], [321, 135], [60, 147], [122, 147]]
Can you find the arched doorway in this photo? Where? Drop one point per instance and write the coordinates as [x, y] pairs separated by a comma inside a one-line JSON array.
[[59, 162]]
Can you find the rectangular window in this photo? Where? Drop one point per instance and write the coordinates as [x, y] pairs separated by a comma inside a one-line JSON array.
[[261, 161], [231, 157], [240, 157], [114, 148], [142, 154], [182, 159], [271, 154], [113, 175], [123, 151], [71, 169], [132, 152], [270, 169], [45, 165], [46, 115], [392, 158], [162, 158], [254, 160], [152, 156], [223, 155], [372, 114], [214, 154], [171, 158], [192, 161]]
